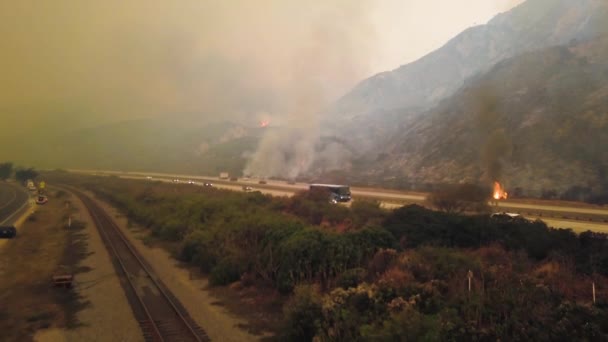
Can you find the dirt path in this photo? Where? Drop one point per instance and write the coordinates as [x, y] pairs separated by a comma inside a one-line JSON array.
[[191, 291]]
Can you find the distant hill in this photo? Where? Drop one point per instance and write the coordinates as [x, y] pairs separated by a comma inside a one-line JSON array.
[[538, 122], [155, 144]]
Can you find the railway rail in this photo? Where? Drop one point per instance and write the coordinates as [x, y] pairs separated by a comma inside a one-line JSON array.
[[159, 313]]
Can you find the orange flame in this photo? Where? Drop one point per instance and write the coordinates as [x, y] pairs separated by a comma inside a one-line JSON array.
[[264, 123], [499, 192]]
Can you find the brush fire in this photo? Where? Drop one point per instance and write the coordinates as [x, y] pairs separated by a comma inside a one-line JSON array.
[[499, 192], [264, 123]]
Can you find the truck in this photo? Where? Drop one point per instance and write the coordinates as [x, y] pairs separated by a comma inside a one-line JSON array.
[[224, 175]]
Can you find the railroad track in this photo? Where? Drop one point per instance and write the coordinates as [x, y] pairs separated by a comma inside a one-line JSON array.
[[159, 313]]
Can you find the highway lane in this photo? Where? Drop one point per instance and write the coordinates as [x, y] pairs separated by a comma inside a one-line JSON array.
[[576, 226], [385, 195], [13, 198], [560, 216], [570, 209], [7, 195], [233, 187]]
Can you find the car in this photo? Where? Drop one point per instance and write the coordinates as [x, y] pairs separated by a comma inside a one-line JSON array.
[[176, 180], [190, 182], [208, 184], [148, 178], [247, 188], [291, 182], [506, 216], [7, 232], [41, 199], [233, 179], [262, 182]]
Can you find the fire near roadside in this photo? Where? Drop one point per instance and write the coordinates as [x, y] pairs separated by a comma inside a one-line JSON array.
[[499, 192]]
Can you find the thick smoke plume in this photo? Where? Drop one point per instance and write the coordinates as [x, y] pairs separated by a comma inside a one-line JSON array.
[[324, 63], [496, 146]]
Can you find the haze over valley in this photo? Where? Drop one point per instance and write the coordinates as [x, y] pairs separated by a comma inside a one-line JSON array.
[[193, 96], [282, 170]]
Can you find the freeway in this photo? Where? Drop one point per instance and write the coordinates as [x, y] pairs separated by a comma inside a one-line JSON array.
[[578, 217], [13, 199]]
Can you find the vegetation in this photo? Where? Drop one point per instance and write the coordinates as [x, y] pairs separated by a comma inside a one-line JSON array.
[[362, 273], [24, 174], [6, 170], [21, 174]]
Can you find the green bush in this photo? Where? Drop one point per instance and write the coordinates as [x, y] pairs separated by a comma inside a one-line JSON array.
[[351, 278], [302, 313], [225, 272]]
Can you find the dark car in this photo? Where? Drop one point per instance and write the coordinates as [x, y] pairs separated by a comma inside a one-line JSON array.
[[262, 182], [234, 179], [7, 232]]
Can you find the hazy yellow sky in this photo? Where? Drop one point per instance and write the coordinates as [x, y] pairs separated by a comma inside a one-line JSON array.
[[409, 29], [130, 58]]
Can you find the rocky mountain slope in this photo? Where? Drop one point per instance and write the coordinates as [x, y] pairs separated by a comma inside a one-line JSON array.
[[538, 121], [376, 103]]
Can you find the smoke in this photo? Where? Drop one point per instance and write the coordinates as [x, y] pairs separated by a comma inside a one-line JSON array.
[[116, 59], [329, 59], [496, 146]]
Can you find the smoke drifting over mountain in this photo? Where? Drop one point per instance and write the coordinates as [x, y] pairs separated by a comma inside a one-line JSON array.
[[494, 141], [324, 63], [68, 65]]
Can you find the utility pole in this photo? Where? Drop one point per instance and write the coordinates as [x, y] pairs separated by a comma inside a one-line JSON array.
[[469, 276], [593, 291]]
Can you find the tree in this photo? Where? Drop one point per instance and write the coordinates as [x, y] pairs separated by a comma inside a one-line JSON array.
[[460, 198], [23, 175], [301, 314], [6, 170]]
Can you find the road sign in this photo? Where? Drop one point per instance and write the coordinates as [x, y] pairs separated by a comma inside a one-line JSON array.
[[41, 185]]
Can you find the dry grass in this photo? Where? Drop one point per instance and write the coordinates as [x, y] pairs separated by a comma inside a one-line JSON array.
[[27, 300]]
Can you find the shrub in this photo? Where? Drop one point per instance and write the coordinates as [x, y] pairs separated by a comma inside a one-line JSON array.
[[351, 278], [301, 314], [225, 272]]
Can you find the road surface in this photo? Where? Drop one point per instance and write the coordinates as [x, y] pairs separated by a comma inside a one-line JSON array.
[[560, 216], [13, 199]]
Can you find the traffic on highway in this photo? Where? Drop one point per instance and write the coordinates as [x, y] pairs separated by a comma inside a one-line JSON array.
[[581, 217]]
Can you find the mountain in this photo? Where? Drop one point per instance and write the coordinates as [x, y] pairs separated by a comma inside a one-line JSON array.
[[375, 104], [538, 122]]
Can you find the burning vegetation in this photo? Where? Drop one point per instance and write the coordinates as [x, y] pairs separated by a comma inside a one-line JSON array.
[[499, 192]]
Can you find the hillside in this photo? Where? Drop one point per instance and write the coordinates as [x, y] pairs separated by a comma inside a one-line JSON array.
[[372, 108], [537, 121]]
